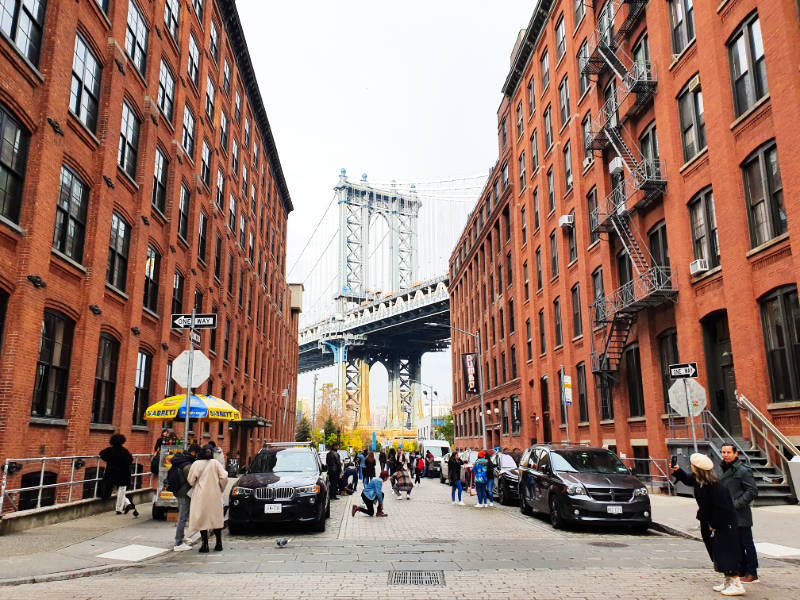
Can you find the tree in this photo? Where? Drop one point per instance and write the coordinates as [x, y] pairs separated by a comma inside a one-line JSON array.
[[303, 430], [329, 428], [445, 431]]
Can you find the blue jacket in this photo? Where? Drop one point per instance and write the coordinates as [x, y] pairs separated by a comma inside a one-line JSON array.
[[479, 470], [374, 489]]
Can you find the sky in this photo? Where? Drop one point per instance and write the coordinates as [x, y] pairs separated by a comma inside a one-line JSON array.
[[398, 90]]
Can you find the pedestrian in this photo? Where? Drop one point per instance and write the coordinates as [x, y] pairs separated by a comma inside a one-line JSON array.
[[454, 475], [382, 459], [420, 468], [718, 521], [391, 461], [490, 473], [373, 492], [402, 457], [334, 463], [218, 453], [166, 438], [401, 482], [737, 477], [360, 458], [428, 463], [350, 480], [208, 480], [117, 473], [182, 463], [369, 468], [479, 473]]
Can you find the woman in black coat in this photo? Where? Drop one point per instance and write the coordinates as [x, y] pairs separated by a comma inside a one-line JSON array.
[[369, 467], [718, 521], [117, 473]]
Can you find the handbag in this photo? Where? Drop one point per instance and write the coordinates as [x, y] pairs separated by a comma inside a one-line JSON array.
[[473, 491]]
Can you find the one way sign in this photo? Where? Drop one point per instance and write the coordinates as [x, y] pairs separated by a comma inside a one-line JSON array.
[[683, 370], [206, 321]]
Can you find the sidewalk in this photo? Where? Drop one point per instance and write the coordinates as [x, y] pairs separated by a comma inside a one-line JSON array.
[[776, 529]]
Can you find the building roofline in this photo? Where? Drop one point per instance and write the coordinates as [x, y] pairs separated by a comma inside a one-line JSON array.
[[233, 26], [532, 34]]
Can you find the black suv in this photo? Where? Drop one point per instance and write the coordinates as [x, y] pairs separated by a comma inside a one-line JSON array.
[[285, 483], [581, 483]]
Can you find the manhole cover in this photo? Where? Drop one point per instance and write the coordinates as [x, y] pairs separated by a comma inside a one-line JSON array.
[[608, 544], [427, 578]]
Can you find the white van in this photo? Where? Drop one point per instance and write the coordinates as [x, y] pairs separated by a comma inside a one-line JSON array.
[[436, 447]]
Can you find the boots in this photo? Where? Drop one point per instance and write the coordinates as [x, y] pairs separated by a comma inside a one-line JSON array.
[[204, 536], [218, 535]]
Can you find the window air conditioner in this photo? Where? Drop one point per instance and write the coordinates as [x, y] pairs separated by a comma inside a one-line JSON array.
[[694, 83], [587, 161], [615, 166], [566, 220], [696, 267]]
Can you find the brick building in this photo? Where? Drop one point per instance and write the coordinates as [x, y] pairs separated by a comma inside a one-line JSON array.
[[138, 177], [643, 211]]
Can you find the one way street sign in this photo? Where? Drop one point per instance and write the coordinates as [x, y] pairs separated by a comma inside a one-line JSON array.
[[683, 370], [206, 321]]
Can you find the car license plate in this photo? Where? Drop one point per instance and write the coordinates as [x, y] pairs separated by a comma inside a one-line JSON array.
[[614, 510], [272, 508]]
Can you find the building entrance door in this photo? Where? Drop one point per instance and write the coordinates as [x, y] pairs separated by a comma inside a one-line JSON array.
[[547, 434], [720, 372]]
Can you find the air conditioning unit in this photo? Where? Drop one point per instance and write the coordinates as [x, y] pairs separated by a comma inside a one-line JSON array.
[[696, 267], [566, 221], [616, 165], [694, 83], [587, 161]]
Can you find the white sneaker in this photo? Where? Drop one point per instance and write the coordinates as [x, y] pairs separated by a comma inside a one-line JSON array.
[[182, 548], [479, 506], [491, 503], [725, 583], [454, 502], [460, 503], [188, 541], [734, 589]]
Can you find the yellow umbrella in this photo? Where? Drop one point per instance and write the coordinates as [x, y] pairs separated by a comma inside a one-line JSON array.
[[201, 407]]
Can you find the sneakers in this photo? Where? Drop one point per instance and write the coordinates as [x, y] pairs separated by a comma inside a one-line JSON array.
[[182, 547], [725, 583], [749, 579], [735, 588], [454, 502], [479, 505], [354, 509], [491, 503], [460, 503]]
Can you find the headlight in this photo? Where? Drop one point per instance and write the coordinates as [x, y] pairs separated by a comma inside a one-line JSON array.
[[576, 489], [640, 492], [241, 492], [309, 489]]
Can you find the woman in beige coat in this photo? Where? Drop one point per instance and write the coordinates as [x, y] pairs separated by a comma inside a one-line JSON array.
[[208, 479]]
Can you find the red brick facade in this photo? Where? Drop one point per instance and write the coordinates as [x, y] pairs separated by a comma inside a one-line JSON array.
[[741, 312], [35, 98]]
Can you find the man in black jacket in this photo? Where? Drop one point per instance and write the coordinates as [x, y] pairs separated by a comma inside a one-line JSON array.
[[334, 464], [738, 479]]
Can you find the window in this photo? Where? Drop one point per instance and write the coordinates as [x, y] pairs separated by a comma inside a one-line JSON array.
[[213, 41], [557, 321], [226, 341], [523, 225], [128, 140], [494, 340], [586, 129], [198, 9], [244, 178], [633, 375], [198, 300], [504, 415], [668, 355], [504, 175], [528, 340], [237, 349], [105, 380], [516, 415], [648, 143], [591, 203], [202, 236], [152, 267], [583, 402], [693, 124], [704, 228], [659, 249], [31, 498], [511, 325], [583, 73], [580, 10], [520, 122], [232, 213], [218, 258], [52, 367], [748, 70], [522, 170], [553, 254], [226, 78], [166, 91], [13, 157], [211, 96], [563, 100], [561, 39], [502, 320], [548, 128], [763, 192], [599, 295], [531, 97], [551, 191], [534, 152], [141, 395], [577, 318], [117, 268], [246, 133], [84, 92], [503, 132], [235, 157], [172, 15], [567, 167], [539, 268], [606, 400], [545, 70], [681, 16], [183, 213], [513, 362], [220, 189], [205, 164], [136, 37], [193, 64], [780, 317], [503, 366], [177, 293], [223, 130], [73, 200], [212, 344], [169, 384], [536, 209], [160, 181], [237, 108], [526, 289], [188, 131], [242, 229], [542, 338]]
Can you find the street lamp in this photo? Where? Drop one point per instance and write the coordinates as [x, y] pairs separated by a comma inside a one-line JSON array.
[[477, 338], [433, 393]]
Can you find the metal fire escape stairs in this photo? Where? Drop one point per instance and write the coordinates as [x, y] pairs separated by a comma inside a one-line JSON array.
[[639, 181]]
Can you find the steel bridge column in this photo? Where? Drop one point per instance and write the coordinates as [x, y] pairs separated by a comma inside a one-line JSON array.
[[394, 223], [415, 370], [394, 394], [363, 418]]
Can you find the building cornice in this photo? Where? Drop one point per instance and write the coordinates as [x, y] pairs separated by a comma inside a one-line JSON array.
[[523, 56]]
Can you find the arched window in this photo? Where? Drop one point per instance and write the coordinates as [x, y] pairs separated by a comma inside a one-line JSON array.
[[13, 158], [52, 368]]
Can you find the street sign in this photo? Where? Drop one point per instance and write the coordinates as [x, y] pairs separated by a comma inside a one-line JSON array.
[[201, 368], [683, 370], [567, 381], [195, 337], [206, 321], [678, 392]]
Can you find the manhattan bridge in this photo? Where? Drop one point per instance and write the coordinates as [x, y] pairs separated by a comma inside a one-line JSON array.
[[381, 294]]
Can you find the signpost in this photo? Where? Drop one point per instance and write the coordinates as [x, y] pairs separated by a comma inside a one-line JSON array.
[[566, 399], [692, 401]]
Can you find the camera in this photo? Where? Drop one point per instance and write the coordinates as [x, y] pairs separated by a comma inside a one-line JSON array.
[[673, 461]]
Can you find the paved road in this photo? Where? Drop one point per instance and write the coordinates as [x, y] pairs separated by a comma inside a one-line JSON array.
[[483, 553]]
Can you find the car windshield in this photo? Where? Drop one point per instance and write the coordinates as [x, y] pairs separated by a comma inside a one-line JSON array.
[[437, 451], [587, 461], [281, 461], [506, 462]]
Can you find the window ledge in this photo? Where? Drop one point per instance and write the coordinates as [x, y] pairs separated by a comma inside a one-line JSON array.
[[749, 112], [583, 424], [49, 421], [783, 405], [577, 338], [549, 150], [142, 428], [70, 261], [82, 130], [636, 419], [694, 159], [774, 241], [593, 245], [11, 225], [559, 347], [158, 215], [32, 68], [117, 291], [707, 275], [102, 427], [572, 263], [149, 313], [682, 53], [606, 421], [127, 180]]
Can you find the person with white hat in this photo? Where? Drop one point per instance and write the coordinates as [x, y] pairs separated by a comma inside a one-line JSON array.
[[718, 521]]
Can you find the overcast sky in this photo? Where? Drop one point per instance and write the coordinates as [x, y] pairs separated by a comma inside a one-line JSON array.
[[399, 90]]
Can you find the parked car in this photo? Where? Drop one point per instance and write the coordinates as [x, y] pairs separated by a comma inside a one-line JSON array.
[[343, 454], [285, 483], [581, 484], [506, 478], [469, 457], [438, 448]]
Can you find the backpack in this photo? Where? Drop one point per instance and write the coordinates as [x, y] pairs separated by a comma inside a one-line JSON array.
[[420, 464], [480, 472], [175, 479]]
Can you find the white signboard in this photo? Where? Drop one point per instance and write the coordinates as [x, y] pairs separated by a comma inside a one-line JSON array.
[[697, 397], [566, 380], [201, 368]]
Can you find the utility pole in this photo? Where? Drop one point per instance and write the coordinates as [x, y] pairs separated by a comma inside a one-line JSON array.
[[189, 387]]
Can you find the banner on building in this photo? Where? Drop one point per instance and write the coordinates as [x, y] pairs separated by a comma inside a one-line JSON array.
[[469, 363]]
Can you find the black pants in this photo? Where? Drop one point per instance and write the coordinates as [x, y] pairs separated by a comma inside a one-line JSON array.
[[749, 561], [333, 478], [370, 505]]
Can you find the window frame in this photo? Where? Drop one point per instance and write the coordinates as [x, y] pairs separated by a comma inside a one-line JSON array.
[[136, 42], [70, 220], [84, 102], [151, 279], [774, 217], [128, 149], [105, 380], [49, 399], [755, 77], [705, 242]]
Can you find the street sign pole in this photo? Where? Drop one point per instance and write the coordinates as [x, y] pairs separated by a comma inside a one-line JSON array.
[[689, 412], [564, 406], [189, 382]]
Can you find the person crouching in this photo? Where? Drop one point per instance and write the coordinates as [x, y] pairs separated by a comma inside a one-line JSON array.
[[373, 492], [401, 482]]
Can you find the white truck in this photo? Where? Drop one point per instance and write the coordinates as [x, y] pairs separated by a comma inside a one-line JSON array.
[[438, 448]]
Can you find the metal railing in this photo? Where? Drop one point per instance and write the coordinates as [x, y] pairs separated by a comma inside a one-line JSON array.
[[655, 280], [768, 438], [654, 472], [66, 468]]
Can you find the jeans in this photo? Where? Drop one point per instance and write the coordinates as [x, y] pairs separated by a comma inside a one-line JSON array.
[[453, 489], [183, 516], [490, 490], [481, 489], [370, 505], [351, 474], [122, 499], [749, 562]]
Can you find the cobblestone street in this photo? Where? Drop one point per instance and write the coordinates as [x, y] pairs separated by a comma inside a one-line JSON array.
[[484, 553]]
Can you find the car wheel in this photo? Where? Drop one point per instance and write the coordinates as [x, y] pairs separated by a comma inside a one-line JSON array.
[[319, 524], [328, 510], [501, 493], [441, 478], [159, 513], [556, 520], [523, 507], [235, 528]]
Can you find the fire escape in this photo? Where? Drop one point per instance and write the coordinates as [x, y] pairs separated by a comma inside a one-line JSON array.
[[638, 180]]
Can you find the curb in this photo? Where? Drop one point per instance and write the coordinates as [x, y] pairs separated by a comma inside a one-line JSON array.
[[65, 575], [673, 531]]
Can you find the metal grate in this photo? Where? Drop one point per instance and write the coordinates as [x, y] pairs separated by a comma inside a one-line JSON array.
[[268, 493], [427, 578]]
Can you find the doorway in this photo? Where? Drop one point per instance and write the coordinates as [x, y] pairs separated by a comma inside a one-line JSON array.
[[720, 372], [547, 434]]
